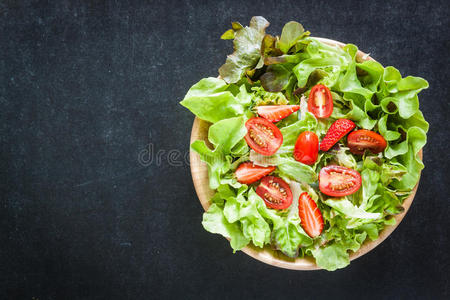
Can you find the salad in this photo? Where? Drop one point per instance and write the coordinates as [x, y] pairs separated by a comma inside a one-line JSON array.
[[310, 151]]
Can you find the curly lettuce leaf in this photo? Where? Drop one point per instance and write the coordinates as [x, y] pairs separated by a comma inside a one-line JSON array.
[[335, 256], [416, 139], [214, 221], [344, 158], [247, 46], [331, 257], [246, 211], [241, 212], [348, 209], [287, 166], [288, 236], [330, 60], [403, 94], [217, 163], [225, 135]]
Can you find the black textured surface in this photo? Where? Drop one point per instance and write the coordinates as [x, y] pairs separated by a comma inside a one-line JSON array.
[[86, 88]]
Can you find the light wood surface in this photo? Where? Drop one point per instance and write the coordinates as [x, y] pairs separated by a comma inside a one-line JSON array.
[[199, 173]]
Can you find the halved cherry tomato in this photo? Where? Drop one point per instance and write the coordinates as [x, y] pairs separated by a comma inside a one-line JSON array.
[[360, 140], [248, 173], [338, 181], [263, 136], [310, 215], [275, 192], [306, 148], [320, 101], [275, 113]]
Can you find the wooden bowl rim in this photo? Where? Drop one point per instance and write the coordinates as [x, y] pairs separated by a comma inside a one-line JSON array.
[[200, 178]]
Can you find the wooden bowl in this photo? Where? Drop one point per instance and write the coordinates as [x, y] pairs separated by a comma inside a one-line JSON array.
[[267, 255]]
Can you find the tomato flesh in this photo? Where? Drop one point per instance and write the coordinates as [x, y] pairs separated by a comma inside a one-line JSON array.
[[248, 173], [263, 136], [338, 181], [306, 148], [275, 192], [361, 140], [320, 101]]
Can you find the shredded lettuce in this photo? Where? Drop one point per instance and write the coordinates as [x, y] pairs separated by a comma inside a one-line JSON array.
[[270, 70]]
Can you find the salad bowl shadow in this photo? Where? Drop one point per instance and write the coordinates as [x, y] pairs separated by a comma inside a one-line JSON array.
[[267, 255]]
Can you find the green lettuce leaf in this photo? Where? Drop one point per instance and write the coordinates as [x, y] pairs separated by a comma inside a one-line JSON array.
[[292, 32], [287, 235], [294, 170], [331, 257], [291, 132], [214, 221], [335, 254], [349, 210], [263, 97], [218, 163], [416, 140], [225, 135], [330, 60], [207, 86], [254, 226], [371, 230], [344, 158], [209, 100], [287, 166]]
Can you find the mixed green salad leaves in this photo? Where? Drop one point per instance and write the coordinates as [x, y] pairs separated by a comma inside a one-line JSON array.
[[265, 69]]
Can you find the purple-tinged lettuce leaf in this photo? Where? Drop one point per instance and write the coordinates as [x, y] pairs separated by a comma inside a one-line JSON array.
[[276, 78], [247, 46]]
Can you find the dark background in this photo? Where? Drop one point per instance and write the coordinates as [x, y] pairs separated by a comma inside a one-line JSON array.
[[85, 89]]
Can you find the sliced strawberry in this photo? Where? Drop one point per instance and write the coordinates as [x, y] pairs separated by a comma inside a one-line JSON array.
[[310, 215], [336, 132], [275, 113], [248, 173]]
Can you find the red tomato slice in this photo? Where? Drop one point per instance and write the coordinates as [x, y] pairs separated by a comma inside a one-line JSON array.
[[275, 192], [306, 148], [310, 215], [360, 140], [320, 101], [263, 136], [275, 113], [338, 181], [248, 173]]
